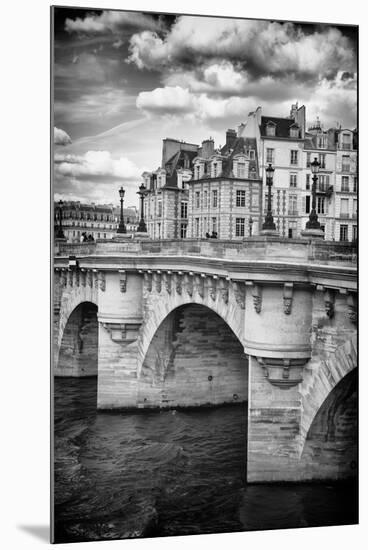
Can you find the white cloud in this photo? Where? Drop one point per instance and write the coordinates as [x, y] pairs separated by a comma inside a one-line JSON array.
[[166, 101], [96, 165], [111, 21], [330, 100], [117, 44], [61, 137], [262, 47], [335, 102], [180, 102]]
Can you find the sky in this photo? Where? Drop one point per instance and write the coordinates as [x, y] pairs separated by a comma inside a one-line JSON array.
[[124, 81]]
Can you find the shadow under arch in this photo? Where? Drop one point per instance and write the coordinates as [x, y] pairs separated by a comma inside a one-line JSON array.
[[193, 359], [160, 309], [331, 443], [323, 380], [78, 348]]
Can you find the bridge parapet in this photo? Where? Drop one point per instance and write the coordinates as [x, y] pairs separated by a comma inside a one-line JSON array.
[[299, 250]]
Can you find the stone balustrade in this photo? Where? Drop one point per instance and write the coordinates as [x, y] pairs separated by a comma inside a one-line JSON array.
[[300, 250]]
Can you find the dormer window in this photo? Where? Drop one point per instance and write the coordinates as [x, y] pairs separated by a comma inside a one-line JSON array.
[[294, 131], [251, 154], [321, 142], [346, 142], [214, 169], [241, 170], [271, 129], [197, 168]]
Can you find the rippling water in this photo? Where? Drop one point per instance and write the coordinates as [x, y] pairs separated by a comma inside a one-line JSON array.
[[120, 475]]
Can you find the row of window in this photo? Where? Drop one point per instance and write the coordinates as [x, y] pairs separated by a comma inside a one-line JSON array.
[[85, 224], [294, 159], [271, 130], [214, 169], [321, 205], [344, 232], [208, 226], [66, 215], [214, 200], [240, 200]]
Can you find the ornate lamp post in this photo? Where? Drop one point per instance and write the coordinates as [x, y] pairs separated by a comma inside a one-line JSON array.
[[250, 226], [60, 232], [313, 222], [142, 224], [269, 224], [121, 228]]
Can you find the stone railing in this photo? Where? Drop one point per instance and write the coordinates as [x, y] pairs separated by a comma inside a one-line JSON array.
[[254, 248]]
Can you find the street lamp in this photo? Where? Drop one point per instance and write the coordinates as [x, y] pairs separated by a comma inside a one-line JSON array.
[[250, 226], [142, 225], [269, 224], [313, 222], [121, 228], [60, 232]]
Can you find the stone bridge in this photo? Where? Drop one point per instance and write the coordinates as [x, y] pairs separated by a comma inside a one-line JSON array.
[[268, 322]]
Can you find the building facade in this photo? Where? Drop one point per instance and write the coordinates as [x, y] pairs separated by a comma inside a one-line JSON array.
[[99, 221], [200, 190], [166, 199], [225, 190]]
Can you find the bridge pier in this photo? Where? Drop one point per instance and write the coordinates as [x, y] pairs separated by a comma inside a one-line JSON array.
[[274, 420], [120, 318], [277, 339]]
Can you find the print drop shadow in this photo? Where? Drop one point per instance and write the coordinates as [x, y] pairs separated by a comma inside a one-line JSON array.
[[41, 532]]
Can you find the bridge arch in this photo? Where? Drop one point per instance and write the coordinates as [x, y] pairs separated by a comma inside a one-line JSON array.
[[194, 358], [326, 378], [159, 308], [77, 344], [330, 449]]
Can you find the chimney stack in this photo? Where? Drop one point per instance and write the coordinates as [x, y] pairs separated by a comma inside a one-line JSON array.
[[208, 148], [230, 137]]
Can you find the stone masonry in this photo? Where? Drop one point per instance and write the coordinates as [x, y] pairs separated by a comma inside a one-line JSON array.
[[267, 321]]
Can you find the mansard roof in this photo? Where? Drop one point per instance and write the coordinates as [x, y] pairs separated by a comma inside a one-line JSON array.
[[282, 126], [174, 163], [240, 145]]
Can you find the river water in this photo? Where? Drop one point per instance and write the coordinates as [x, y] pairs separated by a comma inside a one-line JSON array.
[[151, 473]]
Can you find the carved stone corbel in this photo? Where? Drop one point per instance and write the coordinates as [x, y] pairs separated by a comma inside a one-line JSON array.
[[148, 281], [122, 280], [288, 297], [239, 293], [188, 282], [167, 282], [224, 291], [352, 307], [70, 272], [64, 281], [77, 278], [212, 287], [102, 280], [283, 373], [124, 333], [329, 299], [178, 282], [199, 284], [158, 281], [95, 278], [90, 278], [257, 296], [83, 277]]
